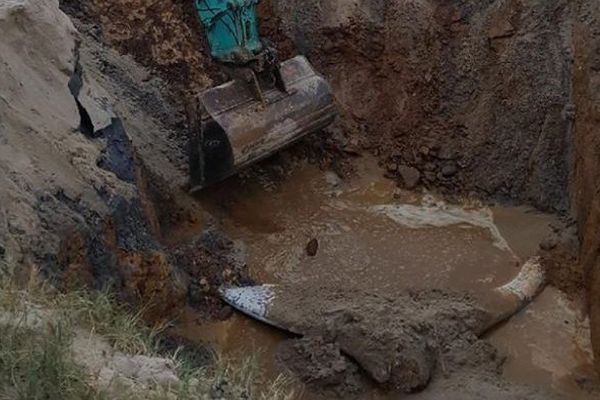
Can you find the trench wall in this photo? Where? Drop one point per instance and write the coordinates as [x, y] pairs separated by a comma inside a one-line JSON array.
[[586, 185], [464, 97]]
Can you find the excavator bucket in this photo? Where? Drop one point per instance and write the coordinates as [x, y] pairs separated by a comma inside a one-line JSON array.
[[237, 129]]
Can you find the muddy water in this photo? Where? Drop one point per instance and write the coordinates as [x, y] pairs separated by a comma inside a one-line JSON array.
[[372, 236], [548, 345], [366, 237]]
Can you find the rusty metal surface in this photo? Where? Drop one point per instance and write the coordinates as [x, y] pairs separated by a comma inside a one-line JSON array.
[[255, 131]]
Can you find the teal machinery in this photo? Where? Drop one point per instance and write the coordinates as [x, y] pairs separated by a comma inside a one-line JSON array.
[[265, 106]]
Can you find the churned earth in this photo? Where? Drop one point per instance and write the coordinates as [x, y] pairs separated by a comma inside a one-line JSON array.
[[399, 220], [389, 272]]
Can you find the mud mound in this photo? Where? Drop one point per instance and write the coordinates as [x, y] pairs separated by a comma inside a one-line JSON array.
[[400, 343], [322, 366], [425, 343]]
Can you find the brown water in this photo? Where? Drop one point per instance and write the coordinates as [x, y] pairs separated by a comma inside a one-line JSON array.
[[373, 236]]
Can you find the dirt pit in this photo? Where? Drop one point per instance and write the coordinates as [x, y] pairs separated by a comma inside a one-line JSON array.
[[488, 100], [391, 256]]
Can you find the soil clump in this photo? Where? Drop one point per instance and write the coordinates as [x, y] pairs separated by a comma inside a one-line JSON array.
[[400, 343]]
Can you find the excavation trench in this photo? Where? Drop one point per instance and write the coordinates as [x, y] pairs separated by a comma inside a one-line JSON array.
[[374, 238], [466, 100]]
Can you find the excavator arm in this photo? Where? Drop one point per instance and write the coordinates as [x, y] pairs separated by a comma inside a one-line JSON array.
[[266, 106], [231, 29]]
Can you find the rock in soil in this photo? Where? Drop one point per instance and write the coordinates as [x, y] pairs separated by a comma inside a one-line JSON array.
[[410, 176], [312, 247]]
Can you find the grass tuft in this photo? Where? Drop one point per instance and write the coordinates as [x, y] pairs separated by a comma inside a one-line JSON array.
[[35, 362], [102, 314], [234, 379], [36, 330]]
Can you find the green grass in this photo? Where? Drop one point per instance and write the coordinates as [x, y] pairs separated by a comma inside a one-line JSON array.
[[234, 379], [35, 362], [36, 330], [102, 314]]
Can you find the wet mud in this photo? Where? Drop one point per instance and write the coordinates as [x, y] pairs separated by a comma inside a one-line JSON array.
[[398, 342], [359, 246], [373, 240]]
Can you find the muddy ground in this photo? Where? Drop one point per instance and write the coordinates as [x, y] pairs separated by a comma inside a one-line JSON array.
[[397, 341], [490, 100], [466, 248]]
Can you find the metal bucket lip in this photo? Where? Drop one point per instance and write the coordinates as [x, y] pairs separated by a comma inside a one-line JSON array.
[[254, 132], [313, 123]]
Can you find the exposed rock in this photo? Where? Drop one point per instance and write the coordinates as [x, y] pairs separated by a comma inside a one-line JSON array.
[[446, 154], [410, 176], [332, 179], [502, 29], [391, 167], [311, 247], [449, 170]]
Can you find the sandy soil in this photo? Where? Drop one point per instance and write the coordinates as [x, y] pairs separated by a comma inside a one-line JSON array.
[[93, 164]]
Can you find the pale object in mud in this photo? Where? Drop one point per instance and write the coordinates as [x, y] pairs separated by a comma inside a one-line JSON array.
[[255, 301], [439, 215], [528, 283]]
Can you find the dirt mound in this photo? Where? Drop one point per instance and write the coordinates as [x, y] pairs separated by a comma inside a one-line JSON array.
[[47, 168], [400, 343], [92, 162], [322, 366]]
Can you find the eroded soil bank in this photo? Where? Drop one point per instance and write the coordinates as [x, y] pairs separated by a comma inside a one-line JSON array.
[[586, 185]]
